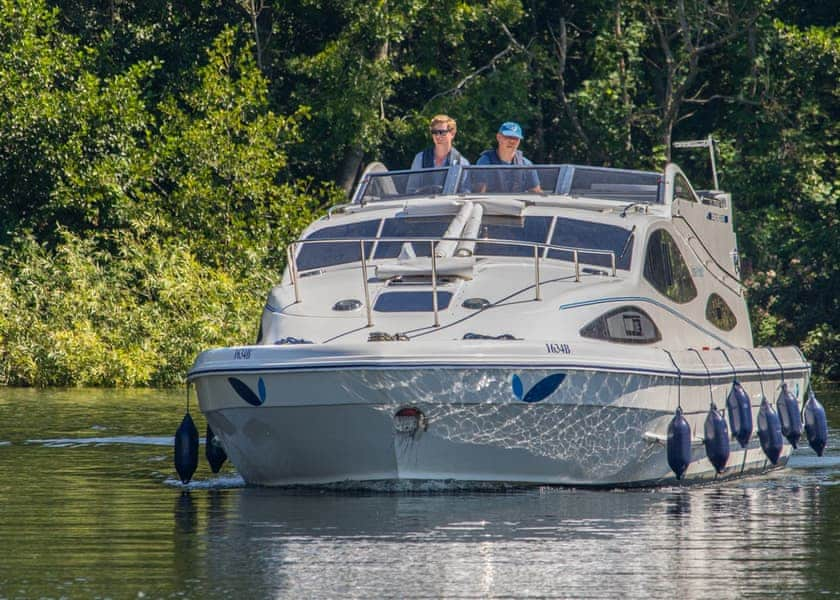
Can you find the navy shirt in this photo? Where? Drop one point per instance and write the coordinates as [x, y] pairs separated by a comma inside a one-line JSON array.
[[500, 181]]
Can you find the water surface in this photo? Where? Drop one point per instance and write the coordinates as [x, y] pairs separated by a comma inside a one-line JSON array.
[[90, 507]]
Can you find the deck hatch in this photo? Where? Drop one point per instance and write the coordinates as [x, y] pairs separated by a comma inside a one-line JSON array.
[[412, 301]]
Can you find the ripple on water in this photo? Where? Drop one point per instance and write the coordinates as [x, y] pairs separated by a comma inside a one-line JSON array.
[[100, 441], [85, 514]]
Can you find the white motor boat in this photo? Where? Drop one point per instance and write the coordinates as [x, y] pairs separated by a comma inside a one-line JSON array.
[[446, 324]]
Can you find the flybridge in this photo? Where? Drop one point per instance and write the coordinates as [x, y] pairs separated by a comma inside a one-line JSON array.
[[378, 184]]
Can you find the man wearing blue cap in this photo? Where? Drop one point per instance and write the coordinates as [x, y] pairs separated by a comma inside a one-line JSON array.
[[507, 153]]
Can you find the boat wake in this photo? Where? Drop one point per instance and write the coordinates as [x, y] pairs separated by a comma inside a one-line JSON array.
[[101, 441], [223, 482]]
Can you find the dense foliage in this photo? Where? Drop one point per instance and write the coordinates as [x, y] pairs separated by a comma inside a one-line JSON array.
[[156, 156]]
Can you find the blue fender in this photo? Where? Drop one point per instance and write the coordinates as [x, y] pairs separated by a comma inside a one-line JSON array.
[[740, 413], [769, 431], [788, 409], [214, 451], [816, 424], [716, 439], [186, 449], [679, 444]]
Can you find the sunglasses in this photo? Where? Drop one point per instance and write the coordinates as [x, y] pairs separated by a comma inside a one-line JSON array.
[[440, 131]]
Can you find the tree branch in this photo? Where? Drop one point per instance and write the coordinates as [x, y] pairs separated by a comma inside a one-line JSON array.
[[461, 84], [729, 99], [561, 47]]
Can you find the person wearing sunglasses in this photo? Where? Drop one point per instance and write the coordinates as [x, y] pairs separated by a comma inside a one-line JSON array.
[[440, 154], [506, 153]]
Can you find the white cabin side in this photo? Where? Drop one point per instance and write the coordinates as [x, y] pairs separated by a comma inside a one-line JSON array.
[[607, 255]]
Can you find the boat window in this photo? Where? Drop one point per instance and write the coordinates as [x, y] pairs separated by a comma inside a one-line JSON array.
[[528, 229], [416, 301], [611, 184], [507, 179], [666, 270], [408, 227], [314, 256], [682, 190], [594, 236], [626, 325], [390, 186], [719, 314]]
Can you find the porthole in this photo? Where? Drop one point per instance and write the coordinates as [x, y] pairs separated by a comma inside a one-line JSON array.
[[719, 314]]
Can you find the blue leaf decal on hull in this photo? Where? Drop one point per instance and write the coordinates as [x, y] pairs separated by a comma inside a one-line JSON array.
[[543, 388], [246, 393], [517, 387]]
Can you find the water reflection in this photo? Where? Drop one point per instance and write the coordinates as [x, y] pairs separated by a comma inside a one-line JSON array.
[[542, 542], [90, 507]]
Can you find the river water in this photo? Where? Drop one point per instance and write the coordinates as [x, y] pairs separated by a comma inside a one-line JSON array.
[[90, 507]]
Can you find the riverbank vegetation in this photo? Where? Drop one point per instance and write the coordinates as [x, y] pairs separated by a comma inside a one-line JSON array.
[[156, 157]]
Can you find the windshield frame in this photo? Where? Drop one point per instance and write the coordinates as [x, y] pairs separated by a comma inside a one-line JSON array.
[[424, 243], [642, 187]]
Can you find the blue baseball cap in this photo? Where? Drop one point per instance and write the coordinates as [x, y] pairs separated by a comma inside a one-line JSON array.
[[511, 129]]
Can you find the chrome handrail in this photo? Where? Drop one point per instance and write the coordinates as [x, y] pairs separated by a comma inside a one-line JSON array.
[[434, 282], [537, 246], [290, 257], [365, 283]]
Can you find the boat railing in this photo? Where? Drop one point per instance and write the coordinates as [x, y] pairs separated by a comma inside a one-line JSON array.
[[537, 247]]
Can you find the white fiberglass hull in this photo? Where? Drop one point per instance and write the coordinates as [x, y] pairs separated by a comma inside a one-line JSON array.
[[495, 412]]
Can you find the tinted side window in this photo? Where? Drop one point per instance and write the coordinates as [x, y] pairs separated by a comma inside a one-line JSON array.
[[627, 325], [529, 229], [408, 227], [597, 236], [682, 191], [313, 256], [666, 270], [719, 314]]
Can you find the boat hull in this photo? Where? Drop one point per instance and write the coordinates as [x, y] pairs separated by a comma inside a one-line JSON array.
[[310, 421]]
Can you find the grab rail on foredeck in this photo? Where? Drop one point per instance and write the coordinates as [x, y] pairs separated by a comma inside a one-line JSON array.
[[537, 247]]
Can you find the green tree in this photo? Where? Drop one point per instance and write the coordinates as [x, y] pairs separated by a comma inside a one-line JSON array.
[[216, 165], [69, 136]]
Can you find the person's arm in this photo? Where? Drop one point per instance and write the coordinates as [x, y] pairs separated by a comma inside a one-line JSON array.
[[414, 181], [533, 180], [479, 179]]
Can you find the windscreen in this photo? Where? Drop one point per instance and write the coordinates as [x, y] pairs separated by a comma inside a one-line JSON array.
[[613, 184], [595, 236], [528, 229], [393, 186], [314, 256], [411, 227]]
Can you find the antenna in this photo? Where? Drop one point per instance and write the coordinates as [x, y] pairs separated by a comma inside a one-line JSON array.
[[707, 143]]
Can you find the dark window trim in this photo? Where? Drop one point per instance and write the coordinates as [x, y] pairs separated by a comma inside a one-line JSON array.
[[597, 328]]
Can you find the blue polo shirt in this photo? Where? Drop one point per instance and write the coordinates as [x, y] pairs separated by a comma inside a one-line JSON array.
[[502, 181]]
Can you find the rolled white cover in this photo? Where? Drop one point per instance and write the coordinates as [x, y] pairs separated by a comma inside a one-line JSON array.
[[466, 248], [446, 248]]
